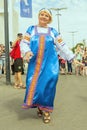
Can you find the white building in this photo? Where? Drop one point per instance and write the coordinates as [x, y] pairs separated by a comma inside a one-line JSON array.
[[12, 20]]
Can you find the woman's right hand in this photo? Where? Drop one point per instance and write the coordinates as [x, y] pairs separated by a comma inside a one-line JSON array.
[[28, 56]]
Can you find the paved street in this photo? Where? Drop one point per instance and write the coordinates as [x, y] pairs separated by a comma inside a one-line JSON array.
[[70, 111]]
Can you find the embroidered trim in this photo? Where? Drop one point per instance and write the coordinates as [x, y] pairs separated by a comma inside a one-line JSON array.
[[37, 70], [27, 38], [50, 109], [60, 40]]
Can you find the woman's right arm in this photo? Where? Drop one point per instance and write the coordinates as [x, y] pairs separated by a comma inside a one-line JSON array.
[[25, 45], [25, 48]]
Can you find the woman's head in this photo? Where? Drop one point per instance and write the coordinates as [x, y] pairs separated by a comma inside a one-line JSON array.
[[45, 16]]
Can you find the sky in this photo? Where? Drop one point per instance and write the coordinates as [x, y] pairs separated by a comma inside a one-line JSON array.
[[72, 20]]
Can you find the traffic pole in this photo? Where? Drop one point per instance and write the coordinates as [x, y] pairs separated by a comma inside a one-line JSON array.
[[6, 30]]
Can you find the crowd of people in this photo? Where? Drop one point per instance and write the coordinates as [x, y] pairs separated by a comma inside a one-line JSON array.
[[67, 67]]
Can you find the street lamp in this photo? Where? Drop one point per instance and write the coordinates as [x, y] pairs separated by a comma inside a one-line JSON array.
[[58, 22], [73, 34], [58, 14]]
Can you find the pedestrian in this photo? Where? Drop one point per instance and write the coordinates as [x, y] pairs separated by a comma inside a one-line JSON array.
[[69, 67], [79, 54], [38, 49], [63, 66], [1, 59], [18, 61], [11, 59]]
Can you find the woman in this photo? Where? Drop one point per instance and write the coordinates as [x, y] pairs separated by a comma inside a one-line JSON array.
[[38, 48], [79, 54]]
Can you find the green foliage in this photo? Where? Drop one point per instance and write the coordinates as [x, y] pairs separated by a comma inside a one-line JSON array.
[[81, 44]]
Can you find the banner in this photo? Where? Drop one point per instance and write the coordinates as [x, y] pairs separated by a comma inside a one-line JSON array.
[[26, 8]]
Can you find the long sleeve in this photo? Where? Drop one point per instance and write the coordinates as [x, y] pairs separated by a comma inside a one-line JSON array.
[[64, 50], [61, 47], [25, 43]]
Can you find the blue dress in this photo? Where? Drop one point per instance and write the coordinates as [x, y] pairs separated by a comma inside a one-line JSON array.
[[43, 70]]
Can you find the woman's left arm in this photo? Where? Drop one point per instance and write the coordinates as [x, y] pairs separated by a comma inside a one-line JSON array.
[[64, 49], [61, 47]]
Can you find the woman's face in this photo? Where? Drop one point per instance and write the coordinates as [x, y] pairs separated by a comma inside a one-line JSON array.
[[44, 18]]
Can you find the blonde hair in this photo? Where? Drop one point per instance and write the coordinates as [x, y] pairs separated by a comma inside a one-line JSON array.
[[48, 12]]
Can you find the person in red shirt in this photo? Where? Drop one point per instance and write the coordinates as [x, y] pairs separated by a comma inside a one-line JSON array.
[[63, 66], [18, 61]]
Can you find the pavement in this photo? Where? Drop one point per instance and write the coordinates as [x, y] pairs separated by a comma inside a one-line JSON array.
[[70, 106]]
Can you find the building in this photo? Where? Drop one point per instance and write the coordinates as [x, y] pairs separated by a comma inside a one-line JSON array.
[[13, 21]]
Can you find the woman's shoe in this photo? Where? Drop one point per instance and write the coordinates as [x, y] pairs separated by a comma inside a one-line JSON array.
[[22, 86], [46, 117], [39, 112], [16, 86]]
